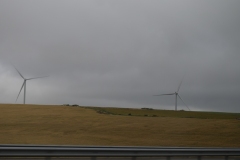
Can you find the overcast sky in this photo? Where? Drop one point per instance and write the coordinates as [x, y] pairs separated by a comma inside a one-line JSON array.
[[122, 52]]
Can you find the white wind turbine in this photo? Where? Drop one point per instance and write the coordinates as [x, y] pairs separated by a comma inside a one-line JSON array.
[[176, 96], [24, 85]]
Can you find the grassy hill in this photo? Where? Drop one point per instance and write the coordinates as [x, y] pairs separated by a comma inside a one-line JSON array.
[[148, 112], [65, 125]]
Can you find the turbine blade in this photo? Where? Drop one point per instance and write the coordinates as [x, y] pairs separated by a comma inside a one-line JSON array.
[[164, 94], [179, 85], [19, 72], [184, 102], [37, 77], [20, 90]]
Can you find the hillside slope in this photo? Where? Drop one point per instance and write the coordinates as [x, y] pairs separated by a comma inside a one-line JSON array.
[[64, 125]]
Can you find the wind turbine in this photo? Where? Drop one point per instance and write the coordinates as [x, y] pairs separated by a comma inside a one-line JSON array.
[[24, 85], [176, 96]]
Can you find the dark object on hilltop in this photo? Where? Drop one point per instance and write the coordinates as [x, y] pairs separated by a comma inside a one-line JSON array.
[[75, 105], [66, 105], [147, 108]]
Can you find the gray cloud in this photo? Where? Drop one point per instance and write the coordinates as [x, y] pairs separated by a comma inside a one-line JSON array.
[[120, 53]]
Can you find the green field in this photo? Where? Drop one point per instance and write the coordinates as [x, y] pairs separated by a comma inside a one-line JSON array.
[[67, 125]]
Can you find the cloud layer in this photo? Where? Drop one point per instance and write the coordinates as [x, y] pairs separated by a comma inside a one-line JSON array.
[[120, 53]]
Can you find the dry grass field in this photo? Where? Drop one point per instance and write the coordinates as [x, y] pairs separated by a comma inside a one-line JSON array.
[[64, 125]]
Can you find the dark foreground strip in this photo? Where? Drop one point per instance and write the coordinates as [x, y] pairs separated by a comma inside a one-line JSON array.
[[108, 151]]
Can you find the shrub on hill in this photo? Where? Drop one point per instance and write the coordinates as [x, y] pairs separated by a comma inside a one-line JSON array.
[[147, 108]]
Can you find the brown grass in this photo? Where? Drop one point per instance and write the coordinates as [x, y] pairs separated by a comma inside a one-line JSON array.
[[36, 124], [166, 113]]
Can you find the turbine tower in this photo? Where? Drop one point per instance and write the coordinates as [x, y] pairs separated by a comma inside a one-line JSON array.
[[176, 96], [25, 85]]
